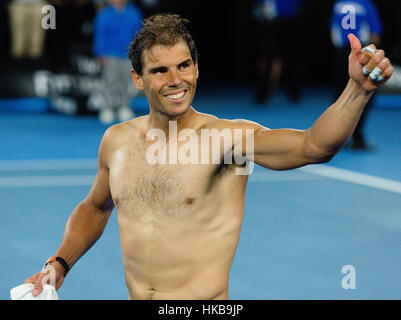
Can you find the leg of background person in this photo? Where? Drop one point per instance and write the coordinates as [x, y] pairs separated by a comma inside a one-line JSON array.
[[17, 22], [128, 91], [340, 71], [262, 79], [358, 136], [37, 36], [264, 64], [291, 44], [275, 73], [110, 90]]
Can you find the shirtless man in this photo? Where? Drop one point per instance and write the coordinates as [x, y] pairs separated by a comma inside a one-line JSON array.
[[180, 223]]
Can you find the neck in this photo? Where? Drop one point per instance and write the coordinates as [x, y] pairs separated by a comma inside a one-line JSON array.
[[161, 121]]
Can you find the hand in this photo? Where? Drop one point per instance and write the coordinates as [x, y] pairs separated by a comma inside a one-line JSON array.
[[358, 60], [52, 274]]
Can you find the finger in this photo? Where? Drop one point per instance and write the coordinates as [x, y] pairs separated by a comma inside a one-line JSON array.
[[355, 44], [386, 74], [37, 288], [368, 53], [378, 70], [373, 62], [38, 285], [33, 278]]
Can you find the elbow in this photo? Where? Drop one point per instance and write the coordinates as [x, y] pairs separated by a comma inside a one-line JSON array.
[[327, 156], [322, 157], [317, 154]]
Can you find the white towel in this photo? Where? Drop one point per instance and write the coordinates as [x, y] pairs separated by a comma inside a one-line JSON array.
[[24, 292]]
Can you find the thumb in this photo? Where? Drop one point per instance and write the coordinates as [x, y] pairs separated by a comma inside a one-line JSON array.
[[355, 44]]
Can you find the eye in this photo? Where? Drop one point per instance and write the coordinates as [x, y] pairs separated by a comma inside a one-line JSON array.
[[158, 71], [184, 66]]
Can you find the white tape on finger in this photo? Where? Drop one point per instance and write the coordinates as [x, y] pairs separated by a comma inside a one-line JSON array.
[[376, 72], [365, 71], [370, 49]]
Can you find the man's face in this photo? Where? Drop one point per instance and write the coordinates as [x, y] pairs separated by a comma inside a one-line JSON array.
[[168, 78]]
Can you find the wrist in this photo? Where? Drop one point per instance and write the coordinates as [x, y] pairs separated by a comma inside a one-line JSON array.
[[59, 263], [358, 89]]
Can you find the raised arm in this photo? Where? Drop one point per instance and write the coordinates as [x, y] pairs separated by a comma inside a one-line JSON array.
[[87, 222], [286, 148]]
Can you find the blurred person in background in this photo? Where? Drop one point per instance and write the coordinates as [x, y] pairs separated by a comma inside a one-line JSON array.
[[114, 27], [279, 29], [367, 26], [27, 34]]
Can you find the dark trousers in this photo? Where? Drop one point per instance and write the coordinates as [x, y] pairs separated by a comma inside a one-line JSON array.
[[279, 39]]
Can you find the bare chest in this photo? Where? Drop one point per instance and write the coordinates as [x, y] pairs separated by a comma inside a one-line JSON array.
[[140, 188]]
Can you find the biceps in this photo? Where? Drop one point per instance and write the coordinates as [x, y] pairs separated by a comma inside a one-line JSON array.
[[281, 149]]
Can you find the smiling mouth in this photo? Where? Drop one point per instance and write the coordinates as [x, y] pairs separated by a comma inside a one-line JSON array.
[[177, 96]]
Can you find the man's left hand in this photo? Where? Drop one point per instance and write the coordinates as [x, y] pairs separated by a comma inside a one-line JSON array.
[[368, 66]]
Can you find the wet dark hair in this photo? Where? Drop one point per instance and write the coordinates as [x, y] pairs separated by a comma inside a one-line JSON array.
[[160, 29]]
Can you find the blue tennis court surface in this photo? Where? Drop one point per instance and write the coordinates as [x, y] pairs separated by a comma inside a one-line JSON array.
[[301, 227]]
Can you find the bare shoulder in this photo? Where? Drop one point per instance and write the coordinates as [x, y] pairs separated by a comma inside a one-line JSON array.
[[221, 124], [116, 135]]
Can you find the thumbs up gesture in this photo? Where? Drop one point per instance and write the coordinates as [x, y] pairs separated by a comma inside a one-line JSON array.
[[368, 66]]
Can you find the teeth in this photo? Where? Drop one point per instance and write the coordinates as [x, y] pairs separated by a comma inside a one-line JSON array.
[[176, 96]]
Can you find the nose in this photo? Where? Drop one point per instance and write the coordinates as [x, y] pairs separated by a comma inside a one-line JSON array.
[[174, 78]]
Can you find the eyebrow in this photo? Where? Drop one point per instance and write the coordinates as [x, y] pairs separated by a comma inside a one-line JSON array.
[[185, 62], [163, 68]]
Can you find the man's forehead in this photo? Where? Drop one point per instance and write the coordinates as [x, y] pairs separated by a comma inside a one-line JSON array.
[[166, 55]]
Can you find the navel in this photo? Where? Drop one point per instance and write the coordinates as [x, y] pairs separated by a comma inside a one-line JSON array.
[[151, 293]]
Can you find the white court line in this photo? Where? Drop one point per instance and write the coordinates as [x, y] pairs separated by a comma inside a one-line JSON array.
[[87, 180], [354, 177]]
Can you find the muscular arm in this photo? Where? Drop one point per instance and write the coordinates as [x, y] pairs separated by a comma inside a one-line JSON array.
[[286, 148], [86, 223], [88, 220], [282, 149]]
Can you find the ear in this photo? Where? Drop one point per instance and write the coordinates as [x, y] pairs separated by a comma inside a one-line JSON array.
[[138, 81], [197, 70]]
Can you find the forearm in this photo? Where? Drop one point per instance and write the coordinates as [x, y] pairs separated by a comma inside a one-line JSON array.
[[335, 126], [83, 228]]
